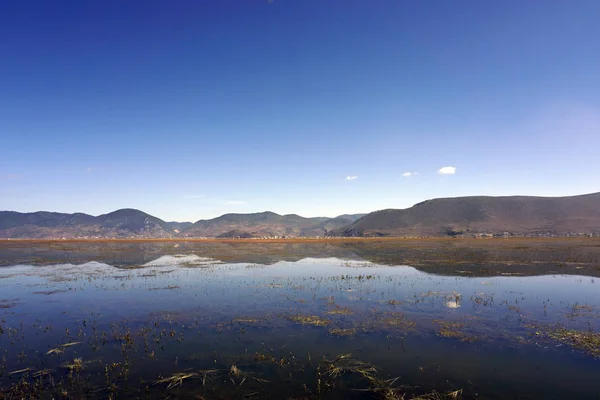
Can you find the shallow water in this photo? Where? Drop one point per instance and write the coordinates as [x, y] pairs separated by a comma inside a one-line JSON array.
[[136, 314]]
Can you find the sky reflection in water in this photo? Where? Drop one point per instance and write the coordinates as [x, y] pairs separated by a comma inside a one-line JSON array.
[[480, 334]]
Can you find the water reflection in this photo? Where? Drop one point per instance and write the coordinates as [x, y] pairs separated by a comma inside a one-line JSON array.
[[145, 314]]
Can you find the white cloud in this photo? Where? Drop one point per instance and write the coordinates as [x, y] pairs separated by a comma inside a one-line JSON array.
[[90, 170], [235, 202], [447, 171], [351, 178], [409, 174]]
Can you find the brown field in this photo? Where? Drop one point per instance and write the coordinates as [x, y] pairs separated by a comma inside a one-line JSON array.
[[478, 241]]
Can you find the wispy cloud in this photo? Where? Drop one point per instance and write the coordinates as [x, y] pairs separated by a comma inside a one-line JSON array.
[[351, 178], [90, 170], [447, 171], [195, 196], [409, 174], [235, 202]]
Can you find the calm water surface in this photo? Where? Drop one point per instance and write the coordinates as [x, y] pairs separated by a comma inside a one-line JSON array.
[[158, 321]]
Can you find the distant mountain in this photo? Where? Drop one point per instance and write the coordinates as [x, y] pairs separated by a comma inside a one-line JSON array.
[[438, 217], [131, 223], [178, 227], [482, 214], [119, 224], [263, 224], [351, 217], [235, 233], [127, 221]]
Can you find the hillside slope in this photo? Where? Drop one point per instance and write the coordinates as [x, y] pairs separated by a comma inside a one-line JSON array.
[[263, 224], [120, 223], [131, 223], [483, 214]]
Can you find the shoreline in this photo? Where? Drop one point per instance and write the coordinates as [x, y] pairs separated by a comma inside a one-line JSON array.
[[302, 240]]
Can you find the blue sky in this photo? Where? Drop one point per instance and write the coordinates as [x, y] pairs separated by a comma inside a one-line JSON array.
[[201, 108]]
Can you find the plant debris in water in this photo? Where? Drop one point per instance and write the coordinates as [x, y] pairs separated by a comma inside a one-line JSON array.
[[219, 335], [313, 320], [454, 330], [586, 341]]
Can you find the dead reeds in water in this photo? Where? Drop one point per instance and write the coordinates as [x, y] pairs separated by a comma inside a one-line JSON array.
[[177, 379]]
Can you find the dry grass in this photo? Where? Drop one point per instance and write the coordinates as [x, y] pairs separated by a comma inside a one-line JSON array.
[[339, 310], [449, 329], [313, 320], [50, 292], [396, 320], [20, 371], [248, 320], [75, 366], [344, 363], [342, 332], [177, 379], [61, 349], [170, 287], [440, 396], [40, 373], [589, 342]]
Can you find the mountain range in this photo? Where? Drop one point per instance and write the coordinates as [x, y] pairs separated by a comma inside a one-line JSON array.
[[476, 215], [522, 215], [132, 223]]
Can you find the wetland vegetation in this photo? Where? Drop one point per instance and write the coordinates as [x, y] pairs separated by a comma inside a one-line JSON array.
[[388, 319]]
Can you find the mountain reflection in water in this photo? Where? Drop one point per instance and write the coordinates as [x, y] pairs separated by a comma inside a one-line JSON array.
[[246, 320]]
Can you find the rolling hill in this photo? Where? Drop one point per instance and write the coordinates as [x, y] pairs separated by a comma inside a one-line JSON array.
[[522, 215], [118, 224], [264, 224], [483, 214], [131, 223]]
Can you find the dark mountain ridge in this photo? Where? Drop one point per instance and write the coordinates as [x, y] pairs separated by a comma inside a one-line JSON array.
[[483, 214], [474, 215], [134, 223], [262, 224], [120, 223]]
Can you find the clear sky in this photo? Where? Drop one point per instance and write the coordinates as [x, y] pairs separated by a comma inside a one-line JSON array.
[[191, 109]]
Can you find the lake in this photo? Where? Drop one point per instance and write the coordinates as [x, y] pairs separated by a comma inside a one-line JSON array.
[[435, 319]]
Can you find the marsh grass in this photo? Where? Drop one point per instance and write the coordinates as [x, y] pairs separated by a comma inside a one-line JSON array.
[[342, 332], [339, 310], [238, 376], [78, 383], [169, 287], [454, 330], [249, 320], [329, 371], [313, 320], [207, 375], [258, 350], [56, 351], [344, 363], [75, 366], [61, 349], [586, 341], [393, 321], [40, 373], [5, 304], [457, 394], [581, 310], [20, 371], [177, 379], [51, 292]]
